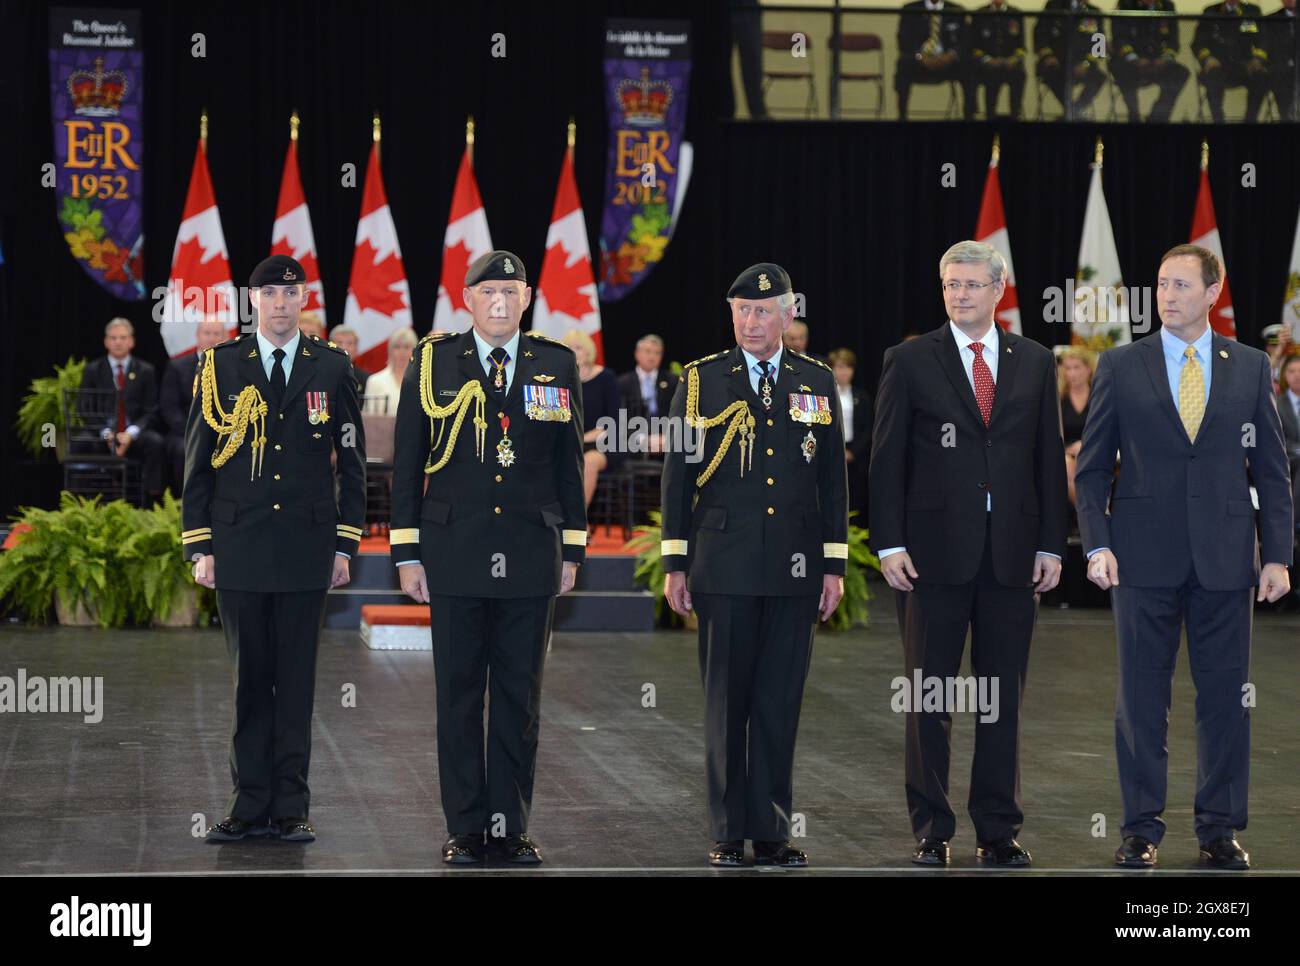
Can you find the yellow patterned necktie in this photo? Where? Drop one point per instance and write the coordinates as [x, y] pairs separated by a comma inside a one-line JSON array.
[[931, 45], [1191, 394]]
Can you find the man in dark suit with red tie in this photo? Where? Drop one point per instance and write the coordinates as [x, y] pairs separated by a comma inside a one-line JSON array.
[[968, 516], [1193, 418]]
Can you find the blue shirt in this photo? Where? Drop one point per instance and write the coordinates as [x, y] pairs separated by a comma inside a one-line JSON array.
[[266, 349], [489, 367], [1175, 360], [752, 361]]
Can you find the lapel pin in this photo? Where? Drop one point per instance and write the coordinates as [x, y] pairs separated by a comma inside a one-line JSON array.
[[1223, 353], [468, 352], [736, 368], [253, 354], [305, 352], [130, 375], [527, 354], [788, 366], [541, 378], [804, 389]]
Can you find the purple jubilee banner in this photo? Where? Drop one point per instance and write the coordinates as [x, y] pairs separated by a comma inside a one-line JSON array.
[[647, 78], [96, 82]]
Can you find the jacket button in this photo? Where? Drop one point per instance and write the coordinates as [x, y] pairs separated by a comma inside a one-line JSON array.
[[501, 415], [769, 451], [277, 476], [277, 447], [771, 510], [498, 477], [770, 481], [282, 415], [497, 509], [276, 507], [770, 423], [982, 485], [988, 442]]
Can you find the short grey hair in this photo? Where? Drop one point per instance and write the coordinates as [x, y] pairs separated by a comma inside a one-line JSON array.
[[119, 321], [403, 338], [339, 330], [975, 253], [785, 301], [650, 339], [799, 322]]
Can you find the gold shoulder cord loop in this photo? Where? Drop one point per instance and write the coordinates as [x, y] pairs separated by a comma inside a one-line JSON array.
[[742, 422], [471, 392], [250, 407]]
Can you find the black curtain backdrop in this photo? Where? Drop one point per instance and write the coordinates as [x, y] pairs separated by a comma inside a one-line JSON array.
[[855, 211]]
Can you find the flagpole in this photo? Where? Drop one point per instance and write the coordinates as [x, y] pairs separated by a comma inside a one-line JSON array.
[[374, 130], [573, 133], [469, 138], [203, 129], [997, 151], [293, 126]]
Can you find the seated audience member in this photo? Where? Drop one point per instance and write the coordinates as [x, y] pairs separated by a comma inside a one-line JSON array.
[[345, 337], [387, 383], [125, 406], [311, 325], [648, 389], [1074, 368], [1231, 54], [600, 398], [177, 393], [997, 56], [1066, 43], [1147, 53], [931, 40]]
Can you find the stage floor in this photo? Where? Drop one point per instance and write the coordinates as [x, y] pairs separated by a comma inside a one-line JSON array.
[[620, 787]]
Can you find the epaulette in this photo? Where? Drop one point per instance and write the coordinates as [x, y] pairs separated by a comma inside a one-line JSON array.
[[438, 337], [716, 355], [330, 345], [815, 362], [548, 340], [235, 341]]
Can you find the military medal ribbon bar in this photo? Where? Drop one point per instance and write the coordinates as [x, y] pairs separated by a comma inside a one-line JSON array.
[[810, 409], [547, 403]]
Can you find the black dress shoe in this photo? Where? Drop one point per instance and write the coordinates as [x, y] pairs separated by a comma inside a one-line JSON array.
[[780, 853], [515, 849], [463, 850], [1136, 853], [727, 853], [294, 829], [1006, 852], [231, 829], [1225, 853], [931, 852]]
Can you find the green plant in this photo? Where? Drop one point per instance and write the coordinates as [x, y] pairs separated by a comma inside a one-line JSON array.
[[154, 569], [43, 405], [645, 543]]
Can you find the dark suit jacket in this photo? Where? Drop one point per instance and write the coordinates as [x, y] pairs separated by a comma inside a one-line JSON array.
[[914, 28], [481, 529], [177, 394], [277, 530], [739, 534], [1180, 505], [629, 386], [933, 461], [141, 394]]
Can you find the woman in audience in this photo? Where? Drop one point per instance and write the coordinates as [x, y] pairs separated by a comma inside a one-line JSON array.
[[600, 397]]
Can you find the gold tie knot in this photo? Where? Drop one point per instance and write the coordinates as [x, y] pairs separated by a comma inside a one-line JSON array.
[[1190, 352]]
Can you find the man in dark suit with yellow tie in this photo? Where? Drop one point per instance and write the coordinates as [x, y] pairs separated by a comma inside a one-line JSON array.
[[1193, 418]]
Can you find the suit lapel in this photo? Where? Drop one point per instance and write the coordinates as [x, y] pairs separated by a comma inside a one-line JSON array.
[[1221, 359], [250, 367], [738, 382], [467, 361], [1154, 357], [1008, 363], [525, 369], [945, 347], [304, 367]]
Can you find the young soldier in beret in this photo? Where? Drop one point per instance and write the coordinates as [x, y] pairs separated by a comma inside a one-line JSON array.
[[263, 526], [489, 524], [755, 539]]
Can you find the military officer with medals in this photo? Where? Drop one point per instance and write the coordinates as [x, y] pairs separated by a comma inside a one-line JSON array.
[[755, 540], [263, 526], [488, 526]]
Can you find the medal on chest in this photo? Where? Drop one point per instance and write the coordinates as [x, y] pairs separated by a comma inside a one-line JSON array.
[[810, 409], [318, 408], [505, 448], [809, 447]]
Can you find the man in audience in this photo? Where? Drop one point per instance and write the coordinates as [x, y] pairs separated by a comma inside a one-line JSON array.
[[931, 37], [125, 405], [1067, 43], [387, 383], [1231, 54], [1147, 51], [1279, 39], [647, 390], [997, 56], [345, 337], [178, 392]]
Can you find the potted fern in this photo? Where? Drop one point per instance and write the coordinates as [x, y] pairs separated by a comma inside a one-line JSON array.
[[42, 407], [161, 584], [645, 543]]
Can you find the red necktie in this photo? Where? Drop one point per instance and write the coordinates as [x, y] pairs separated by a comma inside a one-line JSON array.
[[983, 382], [121, 398]]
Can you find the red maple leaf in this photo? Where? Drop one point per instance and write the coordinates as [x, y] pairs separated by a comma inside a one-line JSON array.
[[115, 261], [455, 263], [191, 273], [563, 282], [372, 285]]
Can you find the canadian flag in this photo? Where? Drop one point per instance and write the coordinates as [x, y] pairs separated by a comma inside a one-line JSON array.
[[467, 238], [379, 299], [992, 230], [291, 235], [200, 282], [1205, 232], [566, 288]]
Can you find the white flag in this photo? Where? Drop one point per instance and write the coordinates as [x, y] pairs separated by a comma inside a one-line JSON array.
[[1101, 311]]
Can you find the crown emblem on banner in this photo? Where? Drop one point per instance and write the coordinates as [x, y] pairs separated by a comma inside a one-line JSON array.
[[99, 93], [644, 102]]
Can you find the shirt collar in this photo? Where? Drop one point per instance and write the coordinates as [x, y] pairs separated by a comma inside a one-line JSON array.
[[752, 361], [1174, 346], [485, 350], [989, 340], [935, 5], [120, 363], [1295, 400], [267, 347]]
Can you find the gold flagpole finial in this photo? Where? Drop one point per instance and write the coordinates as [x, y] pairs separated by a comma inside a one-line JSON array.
[[573, 132], [293, 126], [997, 151], [374, 127], [203, 127], [469, 131], [1096, 158], [1205, 154]]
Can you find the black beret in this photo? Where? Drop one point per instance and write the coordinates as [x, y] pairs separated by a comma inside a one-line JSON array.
[[498, 266], [277, 270], [762, 281]]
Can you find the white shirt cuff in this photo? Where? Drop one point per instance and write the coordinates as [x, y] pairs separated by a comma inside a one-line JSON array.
[[885, 553]]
